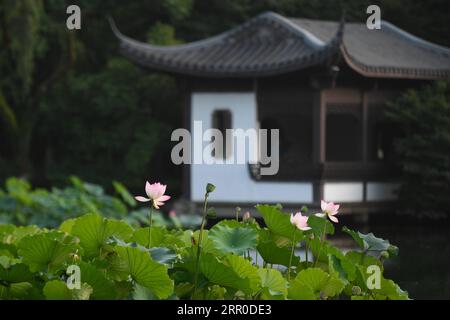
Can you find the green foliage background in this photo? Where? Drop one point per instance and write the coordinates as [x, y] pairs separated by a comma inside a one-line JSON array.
[[424, 148], [70, 104]]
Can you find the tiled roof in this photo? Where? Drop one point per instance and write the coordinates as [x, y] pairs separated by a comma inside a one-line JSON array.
[[387, 52], [271, 44]]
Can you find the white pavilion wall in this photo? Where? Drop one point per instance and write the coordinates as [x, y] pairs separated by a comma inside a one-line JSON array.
[[233, 181]]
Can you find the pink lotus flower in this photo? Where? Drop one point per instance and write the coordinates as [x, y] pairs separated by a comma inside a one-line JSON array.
[[329, 209], [301, 222], [155, 193]]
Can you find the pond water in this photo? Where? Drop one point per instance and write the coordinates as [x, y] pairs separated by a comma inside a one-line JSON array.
[[423, 265]]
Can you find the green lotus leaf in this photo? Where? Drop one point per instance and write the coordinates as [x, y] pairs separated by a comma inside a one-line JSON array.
[[318, 225], [123, 289], [237, 239], [214, 292], [333, 287], [368, 242], [272, 253], [322, 250], [373, 243], [15, 281], [236, 224], [297, 291], [314, 283], [273, 284], [47, 251], [342, 268], [102, 288], [163, 255], [208, 246], [139, 265], [94, 231], [362, 259], [19, 290], [58, 290], [279, 222], [15, 273], [19, 233], [5, 230], [8, 250], [391, 290], [67, 225], [142, 293], [357, 298], [231, 271], [184, 289], [143, 236], [388, 289], [160, 237]]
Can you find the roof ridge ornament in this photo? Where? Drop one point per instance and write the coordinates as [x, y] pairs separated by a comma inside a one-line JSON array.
[[311, 39], [113, 26]]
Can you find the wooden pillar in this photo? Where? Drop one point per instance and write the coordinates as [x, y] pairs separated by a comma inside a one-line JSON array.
[[319, 120], [319, 134], [365, 134], [365, 125], [186, 96]]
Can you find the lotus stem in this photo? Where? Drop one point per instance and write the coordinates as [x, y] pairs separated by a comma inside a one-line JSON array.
[[199, 245], [150, 223], [321, 244], [290, 259], [306, 251]]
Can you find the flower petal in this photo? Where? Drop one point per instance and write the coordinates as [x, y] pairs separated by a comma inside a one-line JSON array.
[[164, 198], [148, 189], [320, 215], [154, 190], [323, 205], [333, 218], [330, 207], [162, 190], [142, 199]]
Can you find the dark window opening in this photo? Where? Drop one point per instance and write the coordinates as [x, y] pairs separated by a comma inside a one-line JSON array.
[[343, 137], [295, 135], [221, 121], [382, 143], [381, 136], [288, 107]]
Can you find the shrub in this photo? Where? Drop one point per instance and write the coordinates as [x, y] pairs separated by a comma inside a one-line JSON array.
[[424, 148], [22, 205]]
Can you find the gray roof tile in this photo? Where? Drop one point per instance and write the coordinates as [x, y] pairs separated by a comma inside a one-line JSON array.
[[387, 51], [270, 44]]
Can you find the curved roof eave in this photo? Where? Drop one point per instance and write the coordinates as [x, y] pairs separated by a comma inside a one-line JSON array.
[[311, 39], [300, 48], [141, 53]]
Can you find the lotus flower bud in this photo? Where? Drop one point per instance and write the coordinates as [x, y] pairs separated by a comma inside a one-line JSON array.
[[384, 254], [210, 188], [356, 291]]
